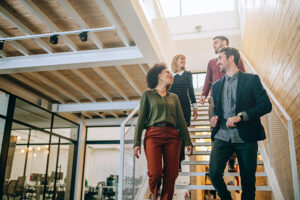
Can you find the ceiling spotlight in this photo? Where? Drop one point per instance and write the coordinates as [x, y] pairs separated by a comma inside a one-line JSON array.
[[54, 39], [1, 45], [83, 36]]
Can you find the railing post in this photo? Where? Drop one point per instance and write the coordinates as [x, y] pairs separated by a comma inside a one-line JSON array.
[[121, 164], [133, 178], [293, 160]]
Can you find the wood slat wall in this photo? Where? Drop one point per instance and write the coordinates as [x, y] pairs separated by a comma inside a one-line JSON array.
[[271, 42]]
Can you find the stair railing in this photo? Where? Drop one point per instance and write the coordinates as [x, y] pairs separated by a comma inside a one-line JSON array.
[[278, 152], [133, 179]]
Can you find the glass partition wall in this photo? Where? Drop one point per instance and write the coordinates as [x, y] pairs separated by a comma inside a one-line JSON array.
[[38, 151]]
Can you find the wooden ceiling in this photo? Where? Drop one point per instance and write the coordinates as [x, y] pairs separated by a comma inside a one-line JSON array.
[[97, 84]]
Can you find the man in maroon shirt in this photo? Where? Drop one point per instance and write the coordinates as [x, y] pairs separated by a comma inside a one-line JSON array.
[[213, 73]]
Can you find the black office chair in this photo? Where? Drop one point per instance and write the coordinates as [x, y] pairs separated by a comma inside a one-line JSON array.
[[12, 188], [5, 187], [19, 191]]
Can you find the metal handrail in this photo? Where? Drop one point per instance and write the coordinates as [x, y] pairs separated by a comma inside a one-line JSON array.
[[120, 181], [289, 129]]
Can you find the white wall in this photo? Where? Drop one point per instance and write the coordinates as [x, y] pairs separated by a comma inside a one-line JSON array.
[[200, 50], [100, 164], [209, 22]]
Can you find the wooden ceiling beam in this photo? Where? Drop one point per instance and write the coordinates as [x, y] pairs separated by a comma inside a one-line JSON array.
[[37, 87], [72, 84], [78, 19], [129, 79], [88, 81], [143, 69], [15, 44], [19, 25], [3, 54], [48, 22], [55, 86], [114, 114], [87, 115], [102, 74], [113, 21]]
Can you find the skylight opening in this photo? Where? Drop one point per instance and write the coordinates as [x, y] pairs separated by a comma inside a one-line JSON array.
[[176, 8]]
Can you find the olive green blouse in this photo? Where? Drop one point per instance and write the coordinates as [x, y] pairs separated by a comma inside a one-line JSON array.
[[155, 108]]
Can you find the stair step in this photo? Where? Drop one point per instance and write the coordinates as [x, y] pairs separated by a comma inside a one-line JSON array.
[[259, 162], [204, 153], [199, 129], [199, 153], [225, 174], [202, 113], [202, 105], [201, 118], [202, 144], [210, 187], [200, 136], [203, 108], [199, 123]]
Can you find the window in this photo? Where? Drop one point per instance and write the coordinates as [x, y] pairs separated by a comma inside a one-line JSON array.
[[40, 151], [194, 7], [198, 80], [176, 8]]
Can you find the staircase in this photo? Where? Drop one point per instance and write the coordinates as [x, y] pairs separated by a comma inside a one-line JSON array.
[[192, 177]]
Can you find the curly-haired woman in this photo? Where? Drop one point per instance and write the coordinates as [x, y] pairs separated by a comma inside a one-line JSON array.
[[162, 116]]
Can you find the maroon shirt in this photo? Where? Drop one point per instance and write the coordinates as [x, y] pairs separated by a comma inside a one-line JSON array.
[[213, 73]]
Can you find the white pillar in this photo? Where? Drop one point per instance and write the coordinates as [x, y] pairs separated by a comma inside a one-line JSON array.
[[80, 161]]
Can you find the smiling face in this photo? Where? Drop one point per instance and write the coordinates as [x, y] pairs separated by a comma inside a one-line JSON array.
[[165, 77], [180, 63], [223, 62]]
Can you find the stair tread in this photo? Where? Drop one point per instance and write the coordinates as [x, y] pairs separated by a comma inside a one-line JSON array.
[[225, 173], [210, 187], [205, 153], [202, 143], [199, 123], [200, 136], [259, 162], [199, 129]]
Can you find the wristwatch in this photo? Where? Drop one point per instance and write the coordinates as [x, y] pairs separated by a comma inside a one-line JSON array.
[[241, 116]]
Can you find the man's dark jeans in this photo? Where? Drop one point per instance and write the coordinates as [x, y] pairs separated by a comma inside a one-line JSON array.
[[247, 159]]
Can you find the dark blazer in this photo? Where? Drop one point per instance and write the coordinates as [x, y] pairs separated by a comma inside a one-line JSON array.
[[252, 98]]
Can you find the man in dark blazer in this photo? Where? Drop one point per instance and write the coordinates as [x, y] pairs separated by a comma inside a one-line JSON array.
[[240, 101]]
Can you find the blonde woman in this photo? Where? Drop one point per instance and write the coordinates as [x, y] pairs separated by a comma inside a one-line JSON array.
[[183, 88]]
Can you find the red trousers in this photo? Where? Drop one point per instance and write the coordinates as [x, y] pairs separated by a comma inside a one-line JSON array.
[[162, 145]]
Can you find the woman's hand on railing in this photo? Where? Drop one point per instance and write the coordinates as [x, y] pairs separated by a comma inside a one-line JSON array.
[[137, 151], [190, 150]]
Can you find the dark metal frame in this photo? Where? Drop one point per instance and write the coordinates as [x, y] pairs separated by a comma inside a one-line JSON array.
[[6, 138]]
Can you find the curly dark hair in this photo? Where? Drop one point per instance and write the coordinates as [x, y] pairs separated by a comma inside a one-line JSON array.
[[152, 76], [230, 51]]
